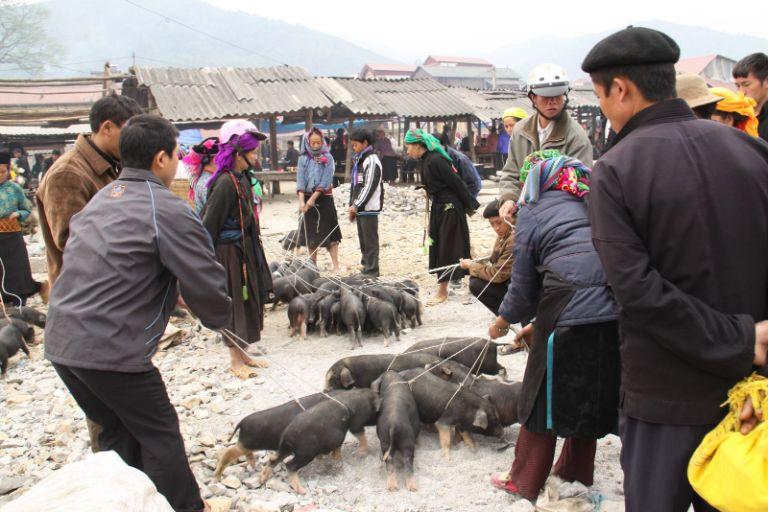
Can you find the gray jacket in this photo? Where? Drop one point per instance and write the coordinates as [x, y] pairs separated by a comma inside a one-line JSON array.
[[129, 251], [567, 136]]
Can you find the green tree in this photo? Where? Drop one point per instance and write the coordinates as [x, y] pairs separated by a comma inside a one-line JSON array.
[[24, 44]]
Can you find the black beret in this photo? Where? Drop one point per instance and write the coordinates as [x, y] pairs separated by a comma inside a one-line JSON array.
[[631, 47], [5, 158], [491, 209]]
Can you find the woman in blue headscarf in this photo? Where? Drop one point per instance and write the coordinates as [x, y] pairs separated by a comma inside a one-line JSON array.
[[319, 224]]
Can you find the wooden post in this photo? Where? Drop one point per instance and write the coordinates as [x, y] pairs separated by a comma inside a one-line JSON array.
[[348, 162], [471, 136], [308, 120], [273, 156]]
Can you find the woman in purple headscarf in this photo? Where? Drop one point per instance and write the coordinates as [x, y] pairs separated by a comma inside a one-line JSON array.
[[201, 164], [233, 223]]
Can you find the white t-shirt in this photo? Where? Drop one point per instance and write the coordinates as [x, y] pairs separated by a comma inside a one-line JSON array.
[[544, 133]]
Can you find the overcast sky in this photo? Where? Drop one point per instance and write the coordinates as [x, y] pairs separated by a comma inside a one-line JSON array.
[[410, 30]]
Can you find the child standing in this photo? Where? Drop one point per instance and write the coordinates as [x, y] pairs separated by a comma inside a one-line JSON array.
[[366, 199]]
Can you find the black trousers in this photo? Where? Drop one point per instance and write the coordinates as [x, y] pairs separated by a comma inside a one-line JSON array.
[[492, 296], [368, 234], [655, 459], [140, 424]]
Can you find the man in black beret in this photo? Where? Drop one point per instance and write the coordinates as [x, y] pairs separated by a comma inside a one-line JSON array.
[[489, 279], [673, 207]]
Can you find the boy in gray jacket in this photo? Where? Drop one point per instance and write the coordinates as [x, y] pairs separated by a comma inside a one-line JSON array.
[[130, 251]]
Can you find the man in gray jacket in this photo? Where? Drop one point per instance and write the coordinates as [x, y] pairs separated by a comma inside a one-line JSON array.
[[550, 128], [129, 252]]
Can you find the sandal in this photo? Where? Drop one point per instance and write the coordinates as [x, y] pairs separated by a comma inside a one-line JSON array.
[[244, 373], [503, 482], [257, 363], [434, 301]]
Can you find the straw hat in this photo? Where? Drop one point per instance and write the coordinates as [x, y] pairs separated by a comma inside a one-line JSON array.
[[693, 89]]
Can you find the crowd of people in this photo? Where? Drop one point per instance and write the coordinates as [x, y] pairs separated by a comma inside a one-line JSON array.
[[640, 280]]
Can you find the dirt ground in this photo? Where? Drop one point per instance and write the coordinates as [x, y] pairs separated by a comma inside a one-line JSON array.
[[41, 428]]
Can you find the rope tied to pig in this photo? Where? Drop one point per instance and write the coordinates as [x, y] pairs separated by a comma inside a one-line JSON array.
[[232, 336]]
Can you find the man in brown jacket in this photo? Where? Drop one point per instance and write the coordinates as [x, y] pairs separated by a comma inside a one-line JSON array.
[[489, 280], [75, 177]]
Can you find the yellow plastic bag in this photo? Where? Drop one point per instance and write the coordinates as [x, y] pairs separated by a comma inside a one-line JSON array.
[[730, 470]]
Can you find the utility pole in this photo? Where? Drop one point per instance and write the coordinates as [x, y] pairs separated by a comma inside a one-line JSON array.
[[107, 82]]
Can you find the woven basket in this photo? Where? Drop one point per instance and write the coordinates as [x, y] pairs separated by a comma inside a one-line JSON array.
[[8, 225], [181, 189]]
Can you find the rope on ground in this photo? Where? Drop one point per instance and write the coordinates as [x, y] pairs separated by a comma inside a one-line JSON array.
[[232, 336], [7, 293], [287, 392]]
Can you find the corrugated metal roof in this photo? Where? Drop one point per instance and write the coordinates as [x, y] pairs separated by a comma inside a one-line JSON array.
[[32, 131], [206, 94], [353, 94], [422, 99], [470, 72], [451, 59], [499, 101], [583, 98]]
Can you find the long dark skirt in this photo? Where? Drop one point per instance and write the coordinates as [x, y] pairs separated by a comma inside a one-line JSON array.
[[389, 168], [247, 315], [321, 224], [449, 232], [17, 279], [584, 383]]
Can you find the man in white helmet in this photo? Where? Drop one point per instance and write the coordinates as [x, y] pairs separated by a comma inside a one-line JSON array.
[[549, 128]]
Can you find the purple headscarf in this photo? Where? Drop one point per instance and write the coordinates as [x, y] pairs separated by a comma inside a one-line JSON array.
[[225, 158]]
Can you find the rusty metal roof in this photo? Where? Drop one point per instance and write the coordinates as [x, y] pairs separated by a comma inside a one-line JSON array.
[[206, 94]]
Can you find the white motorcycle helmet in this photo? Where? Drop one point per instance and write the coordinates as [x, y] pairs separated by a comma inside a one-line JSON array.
[[548, 80]]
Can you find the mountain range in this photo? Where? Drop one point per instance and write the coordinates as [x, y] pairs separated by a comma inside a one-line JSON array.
[[93, 31], [194, 33], [570, 51]]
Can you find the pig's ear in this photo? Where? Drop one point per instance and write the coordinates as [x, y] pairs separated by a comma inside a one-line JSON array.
[[376, 386], [347, 380], [481, 419]]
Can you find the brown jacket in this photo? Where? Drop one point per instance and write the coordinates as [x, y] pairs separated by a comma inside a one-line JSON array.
[[501, 258], [65, 190]]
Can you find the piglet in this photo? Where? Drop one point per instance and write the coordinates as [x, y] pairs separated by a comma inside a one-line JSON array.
[[397, 428], [322, 430]]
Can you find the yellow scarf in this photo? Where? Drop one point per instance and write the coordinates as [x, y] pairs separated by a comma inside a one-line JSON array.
[[740, 104]]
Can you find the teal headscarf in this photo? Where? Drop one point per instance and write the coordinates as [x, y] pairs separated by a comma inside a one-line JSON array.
[[430, 142]]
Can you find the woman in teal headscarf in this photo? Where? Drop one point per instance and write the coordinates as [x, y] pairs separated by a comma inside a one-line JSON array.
[[448, 239]]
